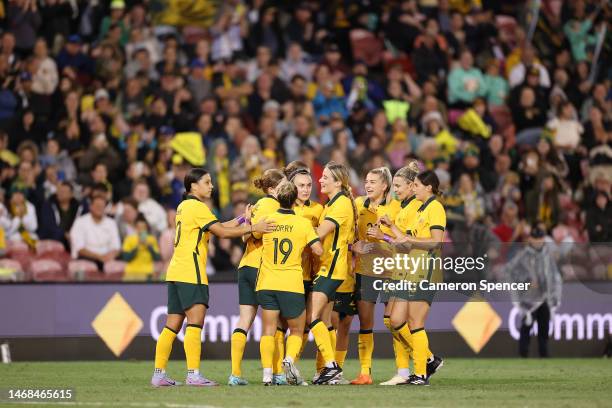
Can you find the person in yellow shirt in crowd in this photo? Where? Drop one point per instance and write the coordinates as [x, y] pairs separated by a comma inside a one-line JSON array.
[[280, 286], [186, 276], [140, 251]]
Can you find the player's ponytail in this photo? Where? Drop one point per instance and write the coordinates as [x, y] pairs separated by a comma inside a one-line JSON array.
[[269, 179], [192, 177], [409, 172]]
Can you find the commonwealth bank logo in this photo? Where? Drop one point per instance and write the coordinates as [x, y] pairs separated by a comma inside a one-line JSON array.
[[117, 324], [476, 322]]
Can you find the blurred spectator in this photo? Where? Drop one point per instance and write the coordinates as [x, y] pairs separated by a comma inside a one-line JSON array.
[[599, 219], [153, 212], [23, 21], [58, 214], [126, 215], [140, 251], [94, 236], [465, 82], [19, 221]]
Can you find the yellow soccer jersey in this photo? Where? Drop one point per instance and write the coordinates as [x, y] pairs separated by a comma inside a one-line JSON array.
[[338, 210], [252, 253], [281, 258], [310, 210], [348, 285], [368, 216], [188, 263], [143, 262], [406, 215], [429, 216]]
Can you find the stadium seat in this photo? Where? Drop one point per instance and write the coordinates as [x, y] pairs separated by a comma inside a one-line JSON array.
[[54, 250], [113, 271], [80, 269], [47, 245], [47, 270], [17, 275]]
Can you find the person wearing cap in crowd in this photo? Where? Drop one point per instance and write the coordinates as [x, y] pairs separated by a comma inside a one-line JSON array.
[[117, 11], [197, 83], [535, 264], [71, 56]]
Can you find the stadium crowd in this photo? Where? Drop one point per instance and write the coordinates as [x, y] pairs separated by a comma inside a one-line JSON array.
[[104, 109]]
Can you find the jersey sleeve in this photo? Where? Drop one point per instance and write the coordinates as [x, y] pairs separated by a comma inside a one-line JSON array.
[[340, 213], [263, 208], [204, 218], [311, 234], [437, 217]]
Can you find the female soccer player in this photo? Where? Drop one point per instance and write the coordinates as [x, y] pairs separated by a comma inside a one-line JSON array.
[[337, 230], [426, 234], [298, 173], [186, 276], [247, 277], [280, 288], [403, 187], [376, 204]]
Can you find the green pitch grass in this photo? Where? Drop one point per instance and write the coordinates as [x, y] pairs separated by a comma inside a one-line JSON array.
[[461, 382]]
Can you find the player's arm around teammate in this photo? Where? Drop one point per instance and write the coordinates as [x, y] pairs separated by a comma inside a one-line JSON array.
[[186, 277], [280, 289]]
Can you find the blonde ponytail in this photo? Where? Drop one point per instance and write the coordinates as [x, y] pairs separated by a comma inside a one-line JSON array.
[[341, 174]]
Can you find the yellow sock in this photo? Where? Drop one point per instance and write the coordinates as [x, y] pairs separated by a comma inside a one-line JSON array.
[[340, 357], [332, 337], [193, 346], [279, 351], [164, 348], [402, 356], [323, 340], [320, 361], [238, 342], [266, 350], [294, 343], [421, 346], [402, 334], [366, 348], [429, 354], [304, 341]]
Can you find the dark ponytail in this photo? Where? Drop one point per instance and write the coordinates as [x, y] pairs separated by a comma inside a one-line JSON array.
[[193, 176], [429, 178]]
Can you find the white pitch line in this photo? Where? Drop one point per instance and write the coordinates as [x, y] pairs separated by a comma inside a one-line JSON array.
[[105, 404]]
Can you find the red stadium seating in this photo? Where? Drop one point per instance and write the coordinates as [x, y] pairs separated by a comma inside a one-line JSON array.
[[114, 270], [47, 270], [83, 270]]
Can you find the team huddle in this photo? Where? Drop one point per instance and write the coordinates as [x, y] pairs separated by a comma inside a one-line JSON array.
[[305, 265]]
